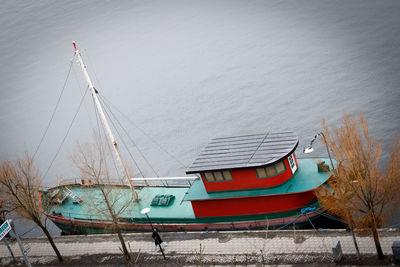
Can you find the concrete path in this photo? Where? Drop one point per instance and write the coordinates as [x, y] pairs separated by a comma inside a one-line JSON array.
[[199, 244]]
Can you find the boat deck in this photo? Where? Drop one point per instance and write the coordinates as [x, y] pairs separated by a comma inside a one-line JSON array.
[[94, 207]]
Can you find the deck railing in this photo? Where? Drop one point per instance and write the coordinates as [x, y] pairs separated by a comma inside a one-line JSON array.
[[88, 181], [165, 181], [153, 181]]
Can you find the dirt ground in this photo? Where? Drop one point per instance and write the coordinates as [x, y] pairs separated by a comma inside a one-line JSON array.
[[207, 260]]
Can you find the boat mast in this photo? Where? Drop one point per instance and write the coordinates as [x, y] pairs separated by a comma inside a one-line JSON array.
[[104, 120]]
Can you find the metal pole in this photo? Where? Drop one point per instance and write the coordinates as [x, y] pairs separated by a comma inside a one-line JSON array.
[[20, 245], [159, 245], [351, 226], [162, 251], [327, 149], [355, 242], [149, 222], [9, 249]]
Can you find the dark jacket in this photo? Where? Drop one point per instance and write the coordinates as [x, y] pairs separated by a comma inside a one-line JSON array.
[[157, 238]]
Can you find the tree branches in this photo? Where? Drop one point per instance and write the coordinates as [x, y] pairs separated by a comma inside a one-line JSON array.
[[112, 201], [19, 187], [363, 194]]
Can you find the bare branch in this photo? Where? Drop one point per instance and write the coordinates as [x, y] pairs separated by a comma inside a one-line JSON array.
[[363, 195]]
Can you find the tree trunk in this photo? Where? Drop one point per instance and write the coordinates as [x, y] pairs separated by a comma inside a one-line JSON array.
[[50, 238], [377, 243], [124, 249]]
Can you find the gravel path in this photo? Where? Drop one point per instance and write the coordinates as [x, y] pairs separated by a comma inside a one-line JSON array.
[[224, 248]]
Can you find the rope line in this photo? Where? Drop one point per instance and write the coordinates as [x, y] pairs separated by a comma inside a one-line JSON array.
[[65, 137], [108, 145], [394, 225], [295, 219], [85, 54], [132, 141], [55, 108], [106, 111], [310, 221], [30, 230], [332, 217], [303, 211], [144, 133], [82, 91]]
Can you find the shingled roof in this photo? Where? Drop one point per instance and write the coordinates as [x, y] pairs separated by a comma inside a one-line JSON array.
[[246, 151]]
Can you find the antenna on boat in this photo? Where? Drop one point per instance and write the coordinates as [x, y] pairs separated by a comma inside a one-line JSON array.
[[104, 120]]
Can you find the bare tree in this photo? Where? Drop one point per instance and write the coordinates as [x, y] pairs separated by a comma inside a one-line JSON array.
[[93, 164], [20, 184], [359, 191]]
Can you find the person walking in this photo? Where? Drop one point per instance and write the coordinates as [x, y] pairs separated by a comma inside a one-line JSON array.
[[157, 239]]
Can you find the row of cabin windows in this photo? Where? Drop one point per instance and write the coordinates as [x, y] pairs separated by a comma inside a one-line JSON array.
[[265, 172], [271, 170], [218, 176]]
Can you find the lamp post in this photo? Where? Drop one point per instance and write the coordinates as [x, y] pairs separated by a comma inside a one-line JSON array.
[[145, 211], [310, 149]]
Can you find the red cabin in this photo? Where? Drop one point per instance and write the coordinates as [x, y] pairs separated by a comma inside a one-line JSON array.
[[246, 175]]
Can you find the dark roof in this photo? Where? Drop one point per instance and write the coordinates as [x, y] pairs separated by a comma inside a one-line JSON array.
[[246, 151]]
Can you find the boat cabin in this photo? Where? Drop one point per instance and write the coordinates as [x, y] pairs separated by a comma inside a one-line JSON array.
[[247, 162], [252, 174]]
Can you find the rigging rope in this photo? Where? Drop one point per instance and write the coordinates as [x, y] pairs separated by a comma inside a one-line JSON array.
[[86, 54], [55, 108], [106, 110], [131, 139], [332, 217], [144, 133], [108, 145], [303, 211], [82, 91], [295, 219], [310, 222], [65, 137], [394, 225], [30, 230]]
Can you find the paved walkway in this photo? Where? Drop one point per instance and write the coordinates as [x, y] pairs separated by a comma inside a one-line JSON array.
[[212, 243]]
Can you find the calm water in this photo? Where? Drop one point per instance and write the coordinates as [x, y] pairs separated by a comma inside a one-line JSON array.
[[188, 71]]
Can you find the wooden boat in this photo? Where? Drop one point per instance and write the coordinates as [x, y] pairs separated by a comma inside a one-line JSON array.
[[242, 182]]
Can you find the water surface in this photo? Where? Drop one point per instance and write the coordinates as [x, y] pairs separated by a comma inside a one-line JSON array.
[[188, 71]]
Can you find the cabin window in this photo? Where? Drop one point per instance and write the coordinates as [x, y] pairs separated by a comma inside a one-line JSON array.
[[227, 175], [261, 172], [292, 163], [209, 177], [280, 167], [271, 170], [218, 176]]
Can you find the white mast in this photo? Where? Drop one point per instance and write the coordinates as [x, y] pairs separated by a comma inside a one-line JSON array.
[[104, 120]]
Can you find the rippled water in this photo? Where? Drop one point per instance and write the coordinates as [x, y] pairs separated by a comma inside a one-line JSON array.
[[188, 71]]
